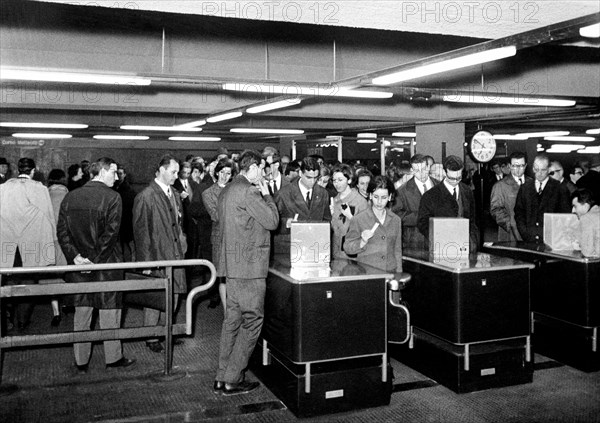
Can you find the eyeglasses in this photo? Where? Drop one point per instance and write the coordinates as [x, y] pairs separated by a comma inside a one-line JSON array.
[[537, 169], [518, 166], [577, 173], [450, 178]]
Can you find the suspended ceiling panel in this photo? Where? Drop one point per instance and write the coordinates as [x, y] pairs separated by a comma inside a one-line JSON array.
[[480, 19]]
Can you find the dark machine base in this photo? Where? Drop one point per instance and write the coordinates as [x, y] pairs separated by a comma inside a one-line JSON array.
[[492, 365], [571, 345], [336, 386]]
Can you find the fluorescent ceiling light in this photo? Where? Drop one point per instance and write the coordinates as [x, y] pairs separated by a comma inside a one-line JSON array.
[[509, 137], [73, 77], [577, 139], [446, 65], [192, 124], [591, 31], [159, 128], [224, 116], [509, 101], [43, 125], [590, 150], [404, 134], [267, 131], [295, 90], [121, 137], [366, 141], [194, 138], [275, 105], [366, 138], [593, 131], [565, 147], [543, 134], [40, 136]]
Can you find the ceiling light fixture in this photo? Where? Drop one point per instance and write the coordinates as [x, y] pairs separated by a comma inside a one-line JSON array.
[[121, 137], [591, 31], [41, 136], [366, 138], [590, 150], [446, 65], [71, 77], [275, 105], [595, 131], [194, 138], [543, 134], [267, 131], [508, 101], [159, 128], [404, 134], [43, 125], [509, 137], [577, 139], [192, 124], [295, 90], [224, 116], [565, 148]]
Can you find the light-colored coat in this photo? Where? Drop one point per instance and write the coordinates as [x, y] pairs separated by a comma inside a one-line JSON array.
[[27, 222], [246, 219], [502, 208], [384, 249], [339, 222], [589, 233], [57, 194]]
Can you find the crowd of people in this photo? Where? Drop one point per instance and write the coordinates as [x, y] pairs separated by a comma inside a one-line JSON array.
[[237, 211]]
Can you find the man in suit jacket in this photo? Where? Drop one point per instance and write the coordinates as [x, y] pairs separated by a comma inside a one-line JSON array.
[[538, 196], [408, 198], [504, 196], [27, 229], [302, 197], [273, 160], [591, 176], [245, 219], [451, 198], [3, 170], [158, 232], [88, 232]]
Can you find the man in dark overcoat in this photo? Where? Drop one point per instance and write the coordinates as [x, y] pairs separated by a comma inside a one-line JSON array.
[[245, 219], [450, 198], [538, 196], [88, 233], [158, 232]]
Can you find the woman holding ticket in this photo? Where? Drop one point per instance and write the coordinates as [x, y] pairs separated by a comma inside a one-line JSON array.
[[375, 234]]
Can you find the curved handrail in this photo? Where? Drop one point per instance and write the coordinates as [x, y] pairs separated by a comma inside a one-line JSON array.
[[190, 297]]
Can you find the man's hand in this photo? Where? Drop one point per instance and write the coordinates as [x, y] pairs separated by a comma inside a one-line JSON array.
[[184, 195], [81, 260], [263, 185]]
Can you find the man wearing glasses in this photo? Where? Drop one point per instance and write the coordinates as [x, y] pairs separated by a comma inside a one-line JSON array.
[[451, 198], [504, 196], [558, 172], [408, 200], [538, 196]]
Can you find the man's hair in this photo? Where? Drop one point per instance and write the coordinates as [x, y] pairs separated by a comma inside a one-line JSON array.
[[98, 165], [184, 164], [292, 166], [271, 151], [309, 164], [542, 156], [583, 196], [57, 176], [73, 169], [430, 158], [317, 157], [165, 161], [248, 158], [557, 164], [418, 158], [518, 155], [25, 165], [453, 164], [345, 170], [585, 165], [199, 166]]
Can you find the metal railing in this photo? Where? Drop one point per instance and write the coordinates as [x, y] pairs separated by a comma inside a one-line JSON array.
[[168, 330]]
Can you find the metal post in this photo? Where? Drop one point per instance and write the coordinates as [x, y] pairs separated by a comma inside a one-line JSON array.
[[169, 321]]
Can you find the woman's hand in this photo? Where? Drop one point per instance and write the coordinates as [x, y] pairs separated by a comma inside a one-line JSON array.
[[347, 212]]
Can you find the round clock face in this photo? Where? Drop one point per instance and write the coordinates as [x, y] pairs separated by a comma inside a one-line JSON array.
[[483, 146]]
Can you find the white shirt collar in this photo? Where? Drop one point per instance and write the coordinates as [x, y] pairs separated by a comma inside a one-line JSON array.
[[303, 189], [423, 186], [544, 182], [162, 186], [278, 181], [450, 188]]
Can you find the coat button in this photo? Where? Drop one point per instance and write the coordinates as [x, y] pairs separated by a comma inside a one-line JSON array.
[[383, 237], [382, 257], [537, 223]]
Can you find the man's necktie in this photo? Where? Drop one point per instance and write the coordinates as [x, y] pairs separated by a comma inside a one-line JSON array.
[[520, 181], [308, 199], [169, 192], [540, 189], [455, 195]]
